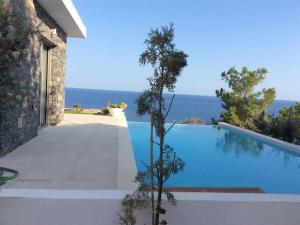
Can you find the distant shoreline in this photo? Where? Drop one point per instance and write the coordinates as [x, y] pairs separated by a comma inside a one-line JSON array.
[[184, 106]]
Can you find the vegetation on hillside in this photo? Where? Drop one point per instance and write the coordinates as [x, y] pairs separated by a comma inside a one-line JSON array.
[[248, 109], [243, 106], [285, 126]]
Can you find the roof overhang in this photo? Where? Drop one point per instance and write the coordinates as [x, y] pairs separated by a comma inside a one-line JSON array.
[[66, 16]]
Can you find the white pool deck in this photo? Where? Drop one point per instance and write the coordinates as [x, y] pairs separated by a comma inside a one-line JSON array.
[[77, 173], [83, 152]]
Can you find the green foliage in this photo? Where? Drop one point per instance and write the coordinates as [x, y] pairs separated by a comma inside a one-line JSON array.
[[248, 109], [105, 111], [141, 198], [138, 200], [146, 102], [243, 106], [77, 106], [289, 123], [286, 126], [121, 105], [167, 63]]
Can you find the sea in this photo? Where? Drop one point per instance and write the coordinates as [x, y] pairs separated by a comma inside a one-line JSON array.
[[183, 107]]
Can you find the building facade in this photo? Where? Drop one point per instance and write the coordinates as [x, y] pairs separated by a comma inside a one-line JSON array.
[[36, 98]]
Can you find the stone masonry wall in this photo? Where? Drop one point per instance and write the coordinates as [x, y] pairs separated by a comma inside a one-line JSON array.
[[21, 121]]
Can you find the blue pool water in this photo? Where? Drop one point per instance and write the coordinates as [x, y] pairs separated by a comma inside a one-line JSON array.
[[223, 158]]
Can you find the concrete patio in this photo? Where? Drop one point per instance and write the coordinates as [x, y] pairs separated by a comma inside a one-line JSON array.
[[83, 152]]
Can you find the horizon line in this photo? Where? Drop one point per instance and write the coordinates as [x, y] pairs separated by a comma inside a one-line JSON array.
[[170, 93]]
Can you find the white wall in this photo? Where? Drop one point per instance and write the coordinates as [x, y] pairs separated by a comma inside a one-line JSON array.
[[100, 208]]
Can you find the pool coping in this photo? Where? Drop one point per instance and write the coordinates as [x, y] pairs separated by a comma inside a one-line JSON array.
[[119, 195], [127, 168], [268, 139]]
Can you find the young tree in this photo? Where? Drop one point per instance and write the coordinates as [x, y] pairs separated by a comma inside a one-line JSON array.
[[167, 63], [244, 107]]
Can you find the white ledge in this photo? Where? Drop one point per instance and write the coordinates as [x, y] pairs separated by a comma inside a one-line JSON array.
[[119, 194], [66, 16]]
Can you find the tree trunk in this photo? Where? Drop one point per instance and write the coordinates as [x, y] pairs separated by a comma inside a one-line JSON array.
[[161, 148], [151, 168]]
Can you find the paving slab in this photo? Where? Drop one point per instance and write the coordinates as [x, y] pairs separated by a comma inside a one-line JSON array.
[[83, 152]]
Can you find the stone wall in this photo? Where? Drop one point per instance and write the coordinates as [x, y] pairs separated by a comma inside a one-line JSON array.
[[20, 123]]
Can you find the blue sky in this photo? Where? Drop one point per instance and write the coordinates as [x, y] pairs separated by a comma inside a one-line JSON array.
[[216, 34]]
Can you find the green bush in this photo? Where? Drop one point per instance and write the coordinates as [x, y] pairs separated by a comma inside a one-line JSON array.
[[77, 107], [105, 111], [121, 105], [288, 124], [285, 126]]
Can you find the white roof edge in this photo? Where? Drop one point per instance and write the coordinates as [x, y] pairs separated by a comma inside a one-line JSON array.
[[66, 16], [74, 13]]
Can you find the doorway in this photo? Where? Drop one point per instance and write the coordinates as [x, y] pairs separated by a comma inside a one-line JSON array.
[[43, 86]]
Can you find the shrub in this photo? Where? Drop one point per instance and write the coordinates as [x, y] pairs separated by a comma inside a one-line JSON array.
[[105, 111], [121, 105], [285, 126], [77, 107]]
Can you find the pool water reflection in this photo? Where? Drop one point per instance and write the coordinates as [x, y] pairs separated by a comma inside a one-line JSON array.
[[217, 157]]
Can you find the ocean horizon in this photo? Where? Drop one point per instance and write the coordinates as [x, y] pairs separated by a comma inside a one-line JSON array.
[[184, 105]]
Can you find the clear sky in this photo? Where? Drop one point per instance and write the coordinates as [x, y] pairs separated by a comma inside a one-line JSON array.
[[216, 34]]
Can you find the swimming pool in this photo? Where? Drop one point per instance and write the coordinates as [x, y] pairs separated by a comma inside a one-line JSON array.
[[219, 157]]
